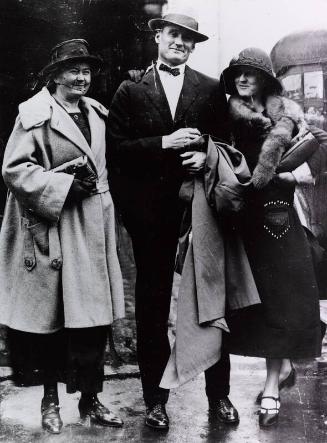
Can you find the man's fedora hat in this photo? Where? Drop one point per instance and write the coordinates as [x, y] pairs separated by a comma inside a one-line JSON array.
[[251, 58], [181, 20], [76, 49]]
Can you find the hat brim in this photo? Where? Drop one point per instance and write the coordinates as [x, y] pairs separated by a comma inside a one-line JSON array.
[[158, 23], [228, 78], [95, 63]]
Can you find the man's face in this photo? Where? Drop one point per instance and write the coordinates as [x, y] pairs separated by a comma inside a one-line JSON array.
[[174, 45], [248, 82]]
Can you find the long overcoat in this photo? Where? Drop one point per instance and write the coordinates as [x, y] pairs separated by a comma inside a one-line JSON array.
[[58, 263]]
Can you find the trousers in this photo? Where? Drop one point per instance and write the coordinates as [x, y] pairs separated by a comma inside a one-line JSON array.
[[154, 246]]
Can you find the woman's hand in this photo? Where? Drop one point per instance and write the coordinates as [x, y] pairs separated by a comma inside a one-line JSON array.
[[79, 190], [193, 161], [285, 179]]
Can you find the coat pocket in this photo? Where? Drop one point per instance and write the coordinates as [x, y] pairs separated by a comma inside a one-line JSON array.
[[276, 220], [41, 244]]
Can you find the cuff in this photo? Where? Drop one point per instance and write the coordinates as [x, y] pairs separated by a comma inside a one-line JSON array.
[[303, 175]]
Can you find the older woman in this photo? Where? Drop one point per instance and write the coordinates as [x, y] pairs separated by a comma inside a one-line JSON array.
[[286, 324], [61, 283]]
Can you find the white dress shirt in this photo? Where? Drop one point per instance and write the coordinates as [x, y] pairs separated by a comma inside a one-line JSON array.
[[172, 85]]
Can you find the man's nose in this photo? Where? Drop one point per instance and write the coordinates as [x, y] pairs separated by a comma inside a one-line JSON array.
[[179, 39], [242, 78], [80, 76]]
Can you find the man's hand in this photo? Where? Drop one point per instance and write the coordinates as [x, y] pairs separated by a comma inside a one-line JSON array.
[[180, 139], [193, 161]]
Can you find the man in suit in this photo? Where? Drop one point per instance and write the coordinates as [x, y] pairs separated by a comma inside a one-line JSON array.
[[154, 144]]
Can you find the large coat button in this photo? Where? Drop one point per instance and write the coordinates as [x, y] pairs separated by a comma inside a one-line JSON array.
[[56, 263], [29, 263]]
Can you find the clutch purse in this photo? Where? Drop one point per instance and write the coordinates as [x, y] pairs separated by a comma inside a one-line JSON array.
[[298, 153], [79, 167]]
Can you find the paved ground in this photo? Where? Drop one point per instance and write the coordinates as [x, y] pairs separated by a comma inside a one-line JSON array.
[[302, 419]]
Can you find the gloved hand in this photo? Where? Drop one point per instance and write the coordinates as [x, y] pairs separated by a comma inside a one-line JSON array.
[[79, 190]]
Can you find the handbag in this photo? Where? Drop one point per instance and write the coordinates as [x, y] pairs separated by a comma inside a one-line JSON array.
[[299, 153]]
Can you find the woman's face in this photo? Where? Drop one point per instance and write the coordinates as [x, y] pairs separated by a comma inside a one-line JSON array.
[[74, 80], [248, 82]]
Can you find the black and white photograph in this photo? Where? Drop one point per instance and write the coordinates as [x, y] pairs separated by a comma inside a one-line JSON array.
[[163, 221]]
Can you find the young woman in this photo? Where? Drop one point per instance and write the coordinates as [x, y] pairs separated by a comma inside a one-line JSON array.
[[61, 284], [286, 325]]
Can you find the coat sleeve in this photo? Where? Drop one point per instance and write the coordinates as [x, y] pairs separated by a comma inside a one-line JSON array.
[[43, 192], [123, 144]]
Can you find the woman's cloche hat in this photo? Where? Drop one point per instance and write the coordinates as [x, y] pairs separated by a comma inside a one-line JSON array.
[[181, 20], [251, 58], [76, 49]]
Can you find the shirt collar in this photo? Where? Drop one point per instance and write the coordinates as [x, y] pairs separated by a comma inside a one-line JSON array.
[[180, 67]]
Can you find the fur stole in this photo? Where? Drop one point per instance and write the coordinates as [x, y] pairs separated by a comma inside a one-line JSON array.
[[283, 118]]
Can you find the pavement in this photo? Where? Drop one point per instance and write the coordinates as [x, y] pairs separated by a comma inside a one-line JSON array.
[[303, 416]]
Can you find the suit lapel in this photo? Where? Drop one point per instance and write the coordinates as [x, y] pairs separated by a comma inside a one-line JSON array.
[[188, 94], [154, 90]]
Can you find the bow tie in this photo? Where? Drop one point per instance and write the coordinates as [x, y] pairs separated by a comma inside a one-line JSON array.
[[172, 71]]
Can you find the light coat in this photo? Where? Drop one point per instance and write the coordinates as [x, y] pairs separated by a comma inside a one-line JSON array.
[[58, 263], [216, 270]]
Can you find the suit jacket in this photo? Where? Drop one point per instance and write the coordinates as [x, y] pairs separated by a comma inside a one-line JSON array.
[[141, 172]]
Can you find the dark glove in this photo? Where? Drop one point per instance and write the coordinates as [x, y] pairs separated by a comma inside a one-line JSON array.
[[79, 190]]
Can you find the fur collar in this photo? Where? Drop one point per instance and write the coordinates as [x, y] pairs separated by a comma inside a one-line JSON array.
[[282, 117], [38, 109]]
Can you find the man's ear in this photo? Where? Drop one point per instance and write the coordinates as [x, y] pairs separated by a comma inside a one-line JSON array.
[[157, 36]]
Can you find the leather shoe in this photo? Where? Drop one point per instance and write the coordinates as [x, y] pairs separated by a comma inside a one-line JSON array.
[[224, 410], [156, 417], [98, 413], [51, 420], [269, 416]]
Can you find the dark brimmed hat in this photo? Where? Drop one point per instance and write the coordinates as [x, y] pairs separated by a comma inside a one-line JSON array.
[[183, 21], [251, 58], [76, 49]]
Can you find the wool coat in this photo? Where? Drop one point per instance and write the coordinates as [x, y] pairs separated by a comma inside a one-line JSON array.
[[58, 262], [216, 274]]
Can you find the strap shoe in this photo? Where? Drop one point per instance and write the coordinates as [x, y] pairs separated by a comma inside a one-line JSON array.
[[286, 383], [269, 416]]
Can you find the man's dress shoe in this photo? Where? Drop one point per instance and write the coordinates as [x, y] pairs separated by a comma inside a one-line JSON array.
[[98, 413], [51, 420], [224, 410], [156, 417]]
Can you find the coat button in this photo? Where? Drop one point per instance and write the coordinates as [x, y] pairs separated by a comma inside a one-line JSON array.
[[56, 263], [29, 263]]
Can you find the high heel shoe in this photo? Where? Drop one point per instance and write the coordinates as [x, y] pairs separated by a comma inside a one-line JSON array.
[[269, 418], [288, 382]]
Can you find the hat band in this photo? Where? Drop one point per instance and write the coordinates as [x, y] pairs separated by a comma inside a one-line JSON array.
[[255, 62]]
